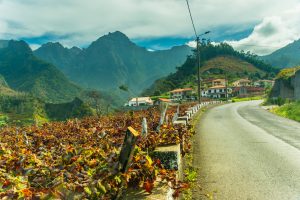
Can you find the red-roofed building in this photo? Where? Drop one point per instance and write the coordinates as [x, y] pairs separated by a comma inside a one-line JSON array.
[[211, 82], [181, 94], [140, 101], [248, 91], [162, 100]]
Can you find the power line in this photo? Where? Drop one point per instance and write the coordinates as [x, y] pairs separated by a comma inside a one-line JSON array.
[[188, 5]]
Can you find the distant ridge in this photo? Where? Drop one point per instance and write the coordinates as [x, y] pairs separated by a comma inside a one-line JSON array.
[[113, 60], [24, 72], [288, 56]]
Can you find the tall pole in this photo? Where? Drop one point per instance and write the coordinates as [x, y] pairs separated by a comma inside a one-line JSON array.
[[198, 69], [226, 87], [198, 50]]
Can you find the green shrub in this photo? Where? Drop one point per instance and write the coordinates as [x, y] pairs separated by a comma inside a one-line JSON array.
[[289, 110]]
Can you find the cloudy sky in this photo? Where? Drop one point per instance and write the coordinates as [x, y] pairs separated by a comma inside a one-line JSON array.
[[256, 25]]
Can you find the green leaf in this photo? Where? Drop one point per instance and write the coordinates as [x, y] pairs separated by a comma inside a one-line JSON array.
[[101, 187], [88, 190], [118, 179]]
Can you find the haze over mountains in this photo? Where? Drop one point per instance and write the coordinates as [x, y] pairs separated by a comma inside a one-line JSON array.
[[113, 60], [288, 56]]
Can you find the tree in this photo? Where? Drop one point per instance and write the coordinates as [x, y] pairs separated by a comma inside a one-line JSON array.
[[96, 96]]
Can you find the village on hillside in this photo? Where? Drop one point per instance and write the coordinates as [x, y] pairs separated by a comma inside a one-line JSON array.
[[211, 89]]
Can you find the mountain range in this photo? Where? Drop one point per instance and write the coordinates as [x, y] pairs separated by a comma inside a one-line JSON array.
[[43, 85], [24, 72], [113, 60], [288, 56]]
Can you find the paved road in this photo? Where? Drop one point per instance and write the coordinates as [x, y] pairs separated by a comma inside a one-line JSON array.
[[245, 152]]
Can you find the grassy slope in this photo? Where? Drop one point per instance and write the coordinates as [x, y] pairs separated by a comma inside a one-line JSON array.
[[5, 89], [290, 110], [230, 64], [234, 67]]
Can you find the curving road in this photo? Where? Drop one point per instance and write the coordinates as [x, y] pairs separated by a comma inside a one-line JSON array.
[[244, 152]]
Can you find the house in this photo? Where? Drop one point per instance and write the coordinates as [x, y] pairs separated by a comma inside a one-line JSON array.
[[218, 82], [204, 93], [207, 82], [211, 82], [248, 91], [162, 100], [217, 92], [181, 94], [241, 83], [264, 83], [140, 101]]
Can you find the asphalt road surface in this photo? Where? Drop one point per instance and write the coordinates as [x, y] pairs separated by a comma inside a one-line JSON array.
[[244, 152]]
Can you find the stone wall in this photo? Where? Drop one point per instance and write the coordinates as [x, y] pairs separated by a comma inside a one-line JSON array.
[[297, 85], [284, 89]]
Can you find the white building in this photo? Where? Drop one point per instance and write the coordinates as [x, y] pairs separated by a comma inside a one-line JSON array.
[[179, 94], [204, 93], [217, 92], [140, 101]]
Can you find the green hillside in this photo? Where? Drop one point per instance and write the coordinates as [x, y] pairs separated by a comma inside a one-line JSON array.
[[216, 62], [74, 109], [5, 89], [288, 56], [24, 72], [23, 109], [58, 55], [230, 64]]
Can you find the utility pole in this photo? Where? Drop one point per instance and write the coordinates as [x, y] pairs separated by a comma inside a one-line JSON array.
[[198, 50], [226, 87], [198, 69], [199, 63]]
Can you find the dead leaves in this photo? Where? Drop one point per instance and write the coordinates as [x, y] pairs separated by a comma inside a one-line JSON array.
[[80, 157]]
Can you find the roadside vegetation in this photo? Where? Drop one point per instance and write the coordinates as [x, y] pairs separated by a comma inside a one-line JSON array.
[[237, 99], [287, 73], [289, 110], [285, 107]]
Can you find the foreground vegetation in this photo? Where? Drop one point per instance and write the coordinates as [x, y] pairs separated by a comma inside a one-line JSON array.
[[79, 159], [289, 110]]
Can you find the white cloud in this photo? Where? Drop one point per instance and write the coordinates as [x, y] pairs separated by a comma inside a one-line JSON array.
[[84, 21], [272, 33], [3, 28], [192, 43]]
